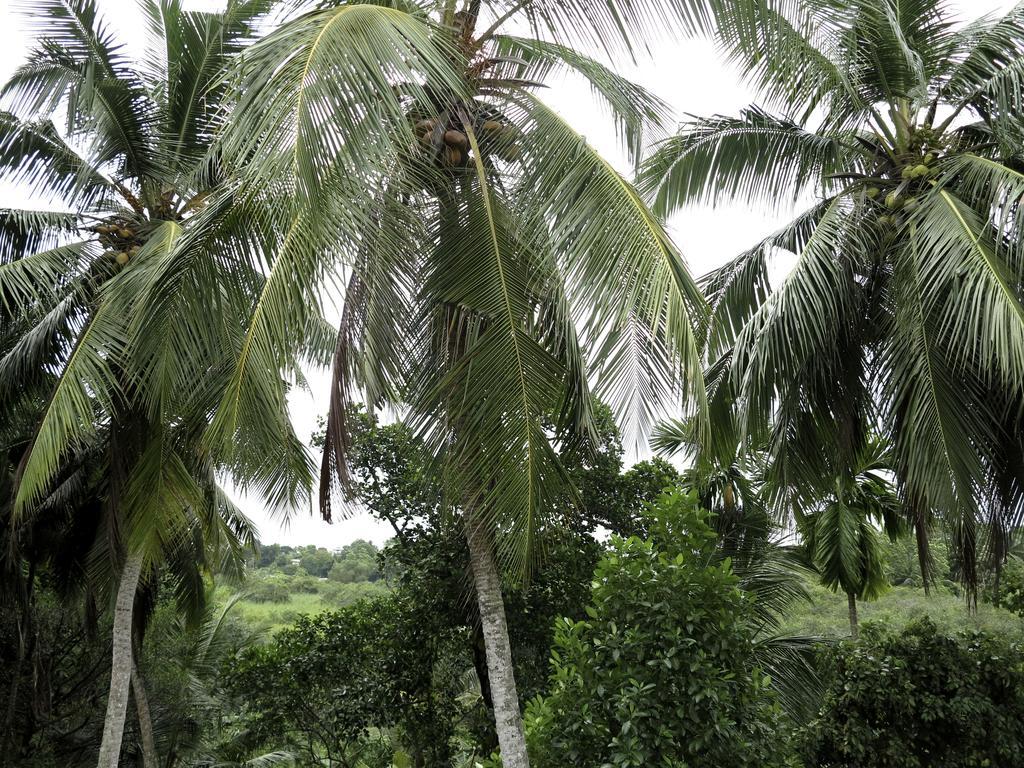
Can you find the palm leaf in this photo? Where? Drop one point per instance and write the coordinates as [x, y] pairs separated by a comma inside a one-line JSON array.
[[755, 157], [618, 263]]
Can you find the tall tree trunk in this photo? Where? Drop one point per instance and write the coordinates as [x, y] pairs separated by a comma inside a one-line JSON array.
[[507, 719], [852, 602], [121, 664], [149, 758]]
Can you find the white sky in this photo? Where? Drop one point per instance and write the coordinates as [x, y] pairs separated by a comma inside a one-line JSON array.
[[688, 74]]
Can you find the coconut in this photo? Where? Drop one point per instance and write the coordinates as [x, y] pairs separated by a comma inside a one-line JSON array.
[[456, 139], [121, 258], [929, 158], [491, 126], [425, 126], [125, 234], [908, 172], [452, 157], [892, 200], [873, 192], [910, 204], [921, 170]]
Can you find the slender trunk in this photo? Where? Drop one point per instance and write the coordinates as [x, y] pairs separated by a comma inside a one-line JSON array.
[[507, 719], [852, 600], [149, 758], [121, 665]]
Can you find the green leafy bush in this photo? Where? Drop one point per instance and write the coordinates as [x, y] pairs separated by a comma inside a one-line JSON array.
[[346, 687], [661, 672], [919, 698], [270, 590], [1011, 587]]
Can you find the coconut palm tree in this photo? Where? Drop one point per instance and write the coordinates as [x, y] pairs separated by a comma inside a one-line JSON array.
[[477, 244], [842, 531], [63, 537], [903, 132], [129, 176], [728, 480]]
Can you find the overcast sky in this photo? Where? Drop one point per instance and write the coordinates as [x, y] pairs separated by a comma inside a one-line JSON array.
[[689, 74]]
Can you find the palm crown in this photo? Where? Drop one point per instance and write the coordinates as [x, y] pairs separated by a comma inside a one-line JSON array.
[[482, 244], [483, 241], [903, 310], [101, 332], [106, 292]]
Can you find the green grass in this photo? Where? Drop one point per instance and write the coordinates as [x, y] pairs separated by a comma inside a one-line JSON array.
[[268, 617], [826, 615]]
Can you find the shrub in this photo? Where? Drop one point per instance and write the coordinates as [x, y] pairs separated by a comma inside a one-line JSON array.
[[661, 673], [268, 590], [920, 698], [336, 687], [1011, 587]]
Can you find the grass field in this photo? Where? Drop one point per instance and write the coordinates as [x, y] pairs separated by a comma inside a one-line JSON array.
[[269, 617], [826, 615]]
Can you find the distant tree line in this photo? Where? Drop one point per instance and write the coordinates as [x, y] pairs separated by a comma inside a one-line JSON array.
[[358, 561]]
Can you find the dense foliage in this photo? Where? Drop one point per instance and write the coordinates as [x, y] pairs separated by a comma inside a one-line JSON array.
[[428, 559], [1010, 592], [207, 202], [53, 674], [332, 686], [899, 129], [920, 698], [662, 670]]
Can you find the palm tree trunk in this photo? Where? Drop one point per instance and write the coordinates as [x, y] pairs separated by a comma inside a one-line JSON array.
[[507, 719], [121, 664], [852, 601], [149, 758]]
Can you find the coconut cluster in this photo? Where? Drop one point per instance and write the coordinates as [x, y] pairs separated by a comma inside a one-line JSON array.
[[445, 141], [902, 178], [121, 240], [166, 207]]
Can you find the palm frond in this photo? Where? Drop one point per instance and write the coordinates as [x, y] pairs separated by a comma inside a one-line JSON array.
[[968, 283], [618, 263], [35, 156], [986, 65], [791, 52], [85, 388], [39, 278], [935, 439], [330, 104], [486, 408], [638, 115], [755, 157], [800, 321], [79, 64], [187, 55], [613, 28], [737, 288]]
